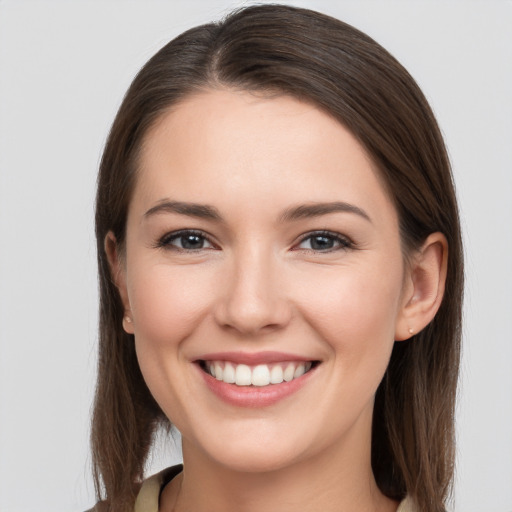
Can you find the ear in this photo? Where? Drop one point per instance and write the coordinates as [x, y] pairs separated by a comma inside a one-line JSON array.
[[423, 287], [118, 273]]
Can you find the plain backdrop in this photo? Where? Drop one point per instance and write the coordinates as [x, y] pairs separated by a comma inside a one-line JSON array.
[[64, 67]]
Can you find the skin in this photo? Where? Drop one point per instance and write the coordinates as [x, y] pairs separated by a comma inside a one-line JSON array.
[[258, 284]]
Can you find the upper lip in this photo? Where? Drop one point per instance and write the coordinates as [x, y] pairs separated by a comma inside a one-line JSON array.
[[253, 358]]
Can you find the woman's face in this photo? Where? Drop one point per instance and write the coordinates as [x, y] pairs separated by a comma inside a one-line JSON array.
[[261, 244]]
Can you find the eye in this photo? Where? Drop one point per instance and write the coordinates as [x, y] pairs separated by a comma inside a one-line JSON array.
[[324, 241], [185, 240]]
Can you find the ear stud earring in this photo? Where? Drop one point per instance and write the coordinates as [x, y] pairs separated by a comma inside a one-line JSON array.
[[410, 331], [126, 322]]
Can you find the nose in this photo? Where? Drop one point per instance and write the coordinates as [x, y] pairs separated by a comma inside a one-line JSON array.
[[253, 298]]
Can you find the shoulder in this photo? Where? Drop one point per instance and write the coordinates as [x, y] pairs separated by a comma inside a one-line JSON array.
[[406, 506], [149, 493]]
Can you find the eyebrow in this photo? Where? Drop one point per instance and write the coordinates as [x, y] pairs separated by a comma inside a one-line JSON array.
[[201, 211], [318, 209], [302, 211]]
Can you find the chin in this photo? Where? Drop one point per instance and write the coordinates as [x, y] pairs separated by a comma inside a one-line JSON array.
[[249, 450], [255, 459]]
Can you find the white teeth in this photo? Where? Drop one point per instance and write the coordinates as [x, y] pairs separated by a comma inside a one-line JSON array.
[[289, 372], [229, 374], [218, 371], [243, 375], [276, 375], [260, 375], [300, 370]]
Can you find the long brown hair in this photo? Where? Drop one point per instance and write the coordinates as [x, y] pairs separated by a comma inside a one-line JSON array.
[[316, 58]]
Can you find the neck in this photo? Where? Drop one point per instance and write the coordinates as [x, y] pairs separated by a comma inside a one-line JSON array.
[[337, 479]]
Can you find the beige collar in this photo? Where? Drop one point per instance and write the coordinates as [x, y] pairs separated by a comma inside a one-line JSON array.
[[149, 494]]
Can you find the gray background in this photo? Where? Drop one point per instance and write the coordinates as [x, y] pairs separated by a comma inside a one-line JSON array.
[[64, 67]]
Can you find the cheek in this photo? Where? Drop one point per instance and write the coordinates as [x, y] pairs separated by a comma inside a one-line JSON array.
[[168, 303], [354, 304], [355, 317]]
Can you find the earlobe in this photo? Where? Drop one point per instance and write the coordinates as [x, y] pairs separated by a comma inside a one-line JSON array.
[[424, 287], [118, 274]]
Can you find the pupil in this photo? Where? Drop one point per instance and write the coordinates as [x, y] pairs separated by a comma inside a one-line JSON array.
[[322, 243], [191, 242]]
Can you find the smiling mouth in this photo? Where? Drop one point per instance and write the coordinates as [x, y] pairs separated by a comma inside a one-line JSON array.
[[260, 375]]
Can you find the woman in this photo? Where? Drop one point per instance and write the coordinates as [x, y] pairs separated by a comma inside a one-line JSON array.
[[281, 276]]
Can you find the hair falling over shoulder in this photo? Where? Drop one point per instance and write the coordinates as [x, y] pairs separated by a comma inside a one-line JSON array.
[[316, 58]]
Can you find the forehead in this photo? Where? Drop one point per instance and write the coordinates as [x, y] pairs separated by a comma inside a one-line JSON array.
[[225, 144]]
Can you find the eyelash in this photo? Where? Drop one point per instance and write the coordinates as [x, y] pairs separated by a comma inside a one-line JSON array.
[[165, 241], [343, 242]]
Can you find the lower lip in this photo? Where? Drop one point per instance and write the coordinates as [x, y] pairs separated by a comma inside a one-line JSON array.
[[254, 396]]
